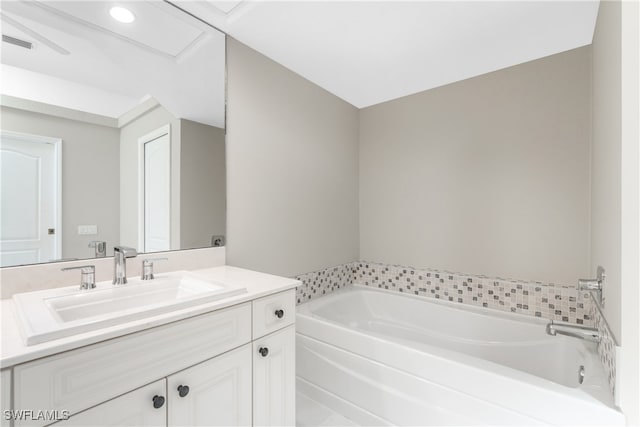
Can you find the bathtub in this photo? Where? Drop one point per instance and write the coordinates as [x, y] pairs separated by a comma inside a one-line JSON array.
[[384, 358]]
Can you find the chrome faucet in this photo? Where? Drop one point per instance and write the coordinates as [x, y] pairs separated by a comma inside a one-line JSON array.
[[575, 331], [120, 255]]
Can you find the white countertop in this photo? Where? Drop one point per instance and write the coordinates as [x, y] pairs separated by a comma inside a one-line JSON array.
[[13, 351]]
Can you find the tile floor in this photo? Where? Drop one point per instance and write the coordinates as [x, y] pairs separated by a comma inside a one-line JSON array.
[[310, 413]]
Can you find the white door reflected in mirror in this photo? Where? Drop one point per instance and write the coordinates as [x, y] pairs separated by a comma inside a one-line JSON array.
[[157, 191], [29, 198]]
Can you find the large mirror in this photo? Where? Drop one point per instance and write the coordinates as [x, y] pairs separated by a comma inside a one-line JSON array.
[[112, 123]]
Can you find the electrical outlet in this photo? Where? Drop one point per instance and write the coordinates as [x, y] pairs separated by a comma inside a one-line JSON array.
[[217, 241], [87, 230]]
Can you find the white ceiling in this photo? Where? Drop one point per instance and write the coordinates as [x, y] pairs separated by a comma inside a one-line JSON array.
[[25, 84], [154, 28], [104, 67], [367, 52]]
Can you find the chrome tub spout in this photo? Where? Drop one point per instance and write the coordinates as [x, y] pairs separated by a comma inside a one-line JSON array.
[[575, 331]]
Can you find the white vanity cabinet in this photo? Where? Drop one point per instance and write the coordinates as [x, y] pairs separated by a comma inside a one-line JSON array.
[[140, 407], [5, 395], [88, 376], [204, 370], [273, 379], [213, 393], [216, 392], [273, 355]]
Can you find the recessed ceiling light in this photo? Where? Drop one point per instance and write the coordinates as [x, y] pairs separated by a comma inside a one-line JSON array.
[[122, 14]]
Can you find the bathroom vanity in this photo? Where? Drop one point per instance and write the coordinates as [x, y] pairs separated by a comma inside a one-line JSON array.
[[224, 362]]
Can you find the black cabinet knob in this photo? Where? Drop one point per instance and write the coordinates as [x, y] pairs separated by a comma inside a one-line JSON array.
[[279, 313], [158, 401], [183, 390], [263, 351]]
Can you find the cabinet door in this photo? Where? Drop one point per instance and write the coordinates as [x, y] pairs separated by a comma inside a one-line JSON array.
[[274, 379], [146, 406], [5, 396], [213, 393]]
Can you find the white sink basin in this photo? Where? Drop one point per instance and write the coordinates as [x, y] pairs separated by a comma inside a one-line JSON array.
[[57, 313]]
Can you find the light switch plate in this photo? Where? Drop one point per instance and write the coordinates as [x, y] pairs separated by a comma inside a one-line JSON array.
[[88, 230]]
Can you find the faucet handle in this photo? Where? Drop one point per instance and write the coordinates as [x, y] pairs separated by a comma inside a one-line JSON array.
[[147, 267], [100, 247], [126, 251], [589, 285], [87, 275], [594, 285]]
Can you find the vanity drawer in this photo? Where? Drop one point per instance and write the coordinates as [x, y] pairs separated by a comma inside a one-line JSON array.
[[84, 377], [273, 312]]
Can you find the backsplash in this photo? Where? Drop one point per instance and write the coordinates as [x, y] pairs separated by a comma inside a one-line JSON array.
[[549, 301], [322, 282], [606, 347]]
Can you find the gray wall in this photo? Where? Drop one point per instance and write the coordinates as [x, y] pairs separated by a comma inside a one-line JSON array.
[[202, 184], [292, 162], [488, 176], [606, 156], [90, 192]]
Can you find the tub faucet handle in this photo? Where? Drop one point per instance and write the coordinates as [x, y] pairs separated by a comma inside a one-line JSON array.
[[595, 286]]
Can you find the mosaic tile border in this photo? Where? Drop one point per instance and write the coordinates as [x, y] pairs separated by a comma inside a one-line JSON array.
[[545, 300], [322, 282], [606, 347], [550, 301]]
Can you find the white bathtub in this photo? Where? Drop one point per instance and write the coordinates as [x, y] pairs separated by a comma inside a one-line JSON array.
[[381, 357]]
